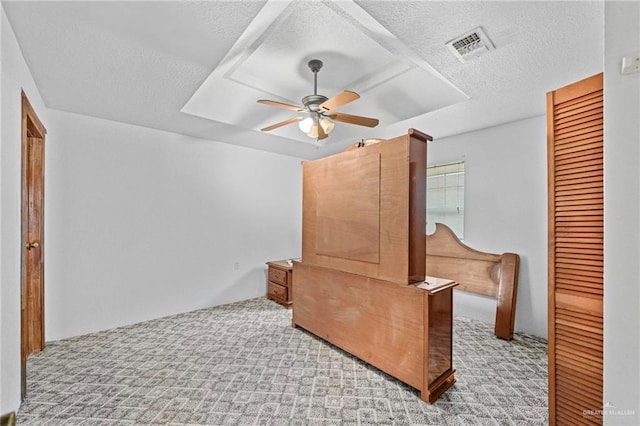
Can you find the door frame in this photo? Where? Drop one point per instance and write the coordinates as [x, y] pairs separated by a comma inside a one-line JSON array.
[[31, 127]]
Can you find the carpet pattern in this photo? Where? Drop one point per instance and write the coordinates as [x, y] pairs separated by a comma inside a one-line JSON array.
[[244, 364]]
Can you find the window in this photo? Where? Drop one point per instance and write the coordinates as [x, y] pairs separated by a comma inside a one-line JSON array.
[[445, 197]]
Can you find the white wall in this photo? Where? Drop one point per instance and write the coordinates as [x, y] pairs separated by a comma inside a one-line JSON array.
[[139, 223], [142, 223], [622, 215], [505, 210], [14, 76]]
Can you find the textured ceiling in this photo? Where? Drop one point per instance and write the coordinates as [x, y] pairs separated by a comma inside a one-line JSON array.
[[374, 63], [142, 62]]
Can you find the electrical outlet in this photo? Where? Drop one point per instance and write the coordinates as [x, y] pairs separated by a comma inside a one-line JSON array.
[[236, 266]]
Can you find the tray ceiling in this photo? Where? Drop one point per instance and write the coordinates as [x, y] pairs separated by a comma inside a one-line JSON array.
[[197, 67], [373, 63]]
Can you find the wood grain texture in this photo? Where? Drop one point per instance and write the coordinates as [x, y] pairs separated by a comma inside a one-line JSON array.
[[417, 210], [488, 274], [439, 349], [33, 268], [439, 374], [400, 329], [348, 208], [33, 136], [398, 231], [575, 250], [378, 321], [507, 271]]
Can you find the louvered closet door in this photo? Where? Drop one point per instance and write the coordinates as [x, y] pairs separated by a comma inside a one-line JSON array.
[[575, 167]]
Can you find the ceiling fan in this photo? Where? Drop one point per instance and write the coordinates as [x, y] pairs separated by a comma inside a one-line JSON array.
[[319, 110]]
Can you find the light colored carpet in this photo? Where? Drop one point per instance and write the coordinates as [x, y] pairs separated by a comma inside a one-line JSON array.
[[243, 363]]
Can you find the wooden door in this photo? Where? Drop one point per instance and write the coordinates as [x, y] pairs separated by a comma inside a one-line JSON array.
[[575, 172], [32, 285]]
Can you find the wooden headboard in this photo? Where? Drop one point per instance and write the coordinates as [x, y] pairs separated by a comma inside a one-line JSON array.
[[494, 275]]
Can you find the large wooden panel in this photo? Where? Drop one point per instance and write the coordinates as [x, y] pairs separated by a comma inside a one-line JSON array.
[[417, 208], [378, 321], [404, 330], [341, 236], [473, 276], [440, 350], [575, 170], [348, 207]]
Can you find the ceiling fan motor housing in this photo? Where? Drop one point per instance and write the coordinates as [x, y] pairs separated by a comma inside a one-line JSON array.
[[313, 102]]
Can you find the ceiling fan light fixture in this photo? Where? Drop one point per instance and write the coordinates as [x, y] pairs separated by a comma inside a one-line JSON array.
[[313, 125], [313, 133], [327, 125], [306, 124]]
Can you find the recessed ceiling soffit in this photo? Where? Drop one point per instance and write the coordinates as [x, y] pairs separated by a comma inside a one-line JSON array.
[[270, 61]]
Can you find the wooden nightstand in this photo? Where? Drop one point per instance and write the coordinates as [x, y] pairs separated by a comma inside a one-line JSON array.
[[280, 282]]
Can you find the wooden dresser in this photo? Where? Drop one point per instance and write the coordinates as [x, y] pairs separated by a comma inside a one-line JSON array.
[[280, 282], [359, 285]]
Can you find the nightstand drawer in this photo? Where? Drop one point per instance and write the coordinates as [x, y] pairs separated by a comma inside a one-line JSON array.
[[280, 282], [276, 291], [278, 276]]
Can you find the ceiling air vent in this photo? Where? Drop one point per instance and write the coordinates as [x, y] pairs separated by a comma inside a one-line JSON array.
[[474, 43]]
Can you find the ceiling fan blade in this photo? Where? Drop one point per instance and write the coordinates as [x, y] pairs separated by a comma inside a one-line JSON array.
[[354, 119], [282, 123], [281, 105], [338, 100]]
